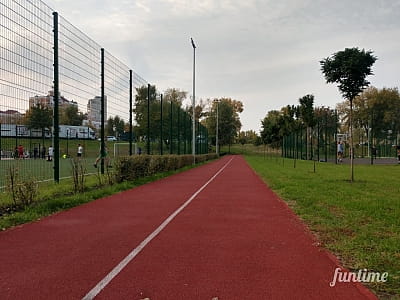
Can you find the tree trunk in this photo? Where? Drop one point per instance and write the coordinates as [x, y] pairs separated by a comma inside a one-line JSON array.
[[351, 142]]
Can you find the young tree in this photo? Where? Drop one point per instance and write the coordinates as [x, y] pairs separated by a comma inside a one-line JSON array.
[[349, 68]]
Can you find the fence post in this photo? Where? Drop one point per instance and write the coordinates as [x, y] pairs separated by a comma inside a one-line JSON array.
[[178, 130], [161, 125], [197, 140], [148, 119], [318, 137], [0, 143], [336, 136], [102, 111], [130, 113], [326, 135], [184, 132], [56, 128], [170, 128], [371, 136]]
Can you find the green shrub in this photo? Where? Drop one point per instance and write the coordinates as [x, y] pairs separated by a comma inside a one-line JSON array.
[[23, 191], [129, 168], [157, 164]]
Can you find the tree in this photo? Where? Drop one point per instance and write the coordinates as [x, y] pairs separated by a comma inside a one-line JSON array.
[[199, 109], [307, 117], [70, 115], [349, 69], [278, 124], [377, 109], [115, 126], [175, 120], [247, 137], [242, 138], [270, 132], [140, 110], [175, 95], [228, 120], [39, 117], [306, 110]]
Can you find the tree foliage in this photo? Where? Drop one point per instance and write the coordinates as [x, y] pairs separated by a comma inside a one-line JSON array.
[[228, 120], [175, 120], [115, 126], [349, 69], [70, 115], [374, 108], [175, 95], [248, 137], [306, 110], [39, 117]]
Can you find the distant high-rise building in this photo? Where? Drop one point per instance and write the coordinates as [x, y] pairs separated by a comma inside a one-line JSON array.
[[94, 111]]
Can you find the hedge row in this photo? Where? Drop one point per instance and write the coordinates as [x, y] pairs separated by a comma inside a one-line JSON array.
[[128, 168]]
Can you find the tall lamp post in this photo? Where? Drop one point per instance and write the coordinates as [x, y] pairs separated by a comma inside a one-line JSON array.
[[193, 104]]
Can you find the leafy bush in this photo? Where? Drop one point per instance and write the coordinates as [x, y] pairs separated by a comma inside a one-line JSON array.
[[128, 168], [78, 175], [23, 191]]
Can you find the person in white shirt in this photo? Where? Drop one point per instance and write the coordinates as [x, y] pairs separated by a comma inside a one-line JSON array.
[[51, 153], [80, 151]]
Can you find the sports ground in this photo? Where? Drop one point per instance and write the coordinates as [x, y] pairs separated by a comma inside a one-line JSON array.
[[213, 232]]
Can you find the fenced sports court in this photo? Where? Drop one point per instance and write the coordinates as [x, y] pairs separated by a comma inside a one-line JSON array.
[[320, 144], [59, 88]]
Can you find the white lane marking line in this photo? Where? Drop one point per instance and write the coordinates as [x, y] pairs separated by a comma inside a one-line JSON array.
[[114, 272]]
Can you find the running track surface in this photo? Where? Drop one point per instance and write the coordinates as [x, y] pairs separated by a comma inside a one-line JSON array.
[[235, 240]]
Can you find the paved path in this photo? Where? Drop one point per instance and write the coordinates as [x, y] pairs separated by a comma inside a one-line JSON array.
[[214, 232]]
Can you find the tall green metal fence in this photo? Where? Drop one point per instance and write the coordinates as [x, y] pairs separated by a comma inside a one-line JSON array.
[[320, 143], [58, 91]]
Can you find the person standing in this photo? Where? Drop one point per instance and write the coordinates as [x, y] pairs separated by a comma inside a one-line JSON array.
[[398, 154], [21, 151], [51, 153], [43, 153], [35, 152], [80, 151], [104, 157], [340, 151]]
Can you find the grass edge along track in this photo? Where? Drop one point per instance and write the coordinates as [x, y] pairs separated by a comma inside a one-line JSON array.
[[359, 222], [55, 197]]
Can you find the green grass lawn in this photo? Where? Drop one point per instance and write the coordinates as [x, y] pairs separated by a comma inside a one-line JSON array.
[[359, 222], [41, 169]]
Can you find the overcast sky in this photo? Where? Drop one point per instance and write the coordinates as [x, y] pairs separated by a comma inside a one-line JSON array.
[[263, 53]]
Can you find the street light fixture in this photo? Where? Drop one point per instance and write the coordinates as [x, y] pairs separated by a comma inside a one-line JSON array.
[[194, 103]]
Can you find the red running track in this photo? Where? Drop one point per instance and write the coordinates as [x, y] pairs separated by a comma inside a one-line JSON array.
[[235, 240]]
